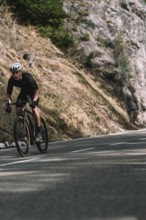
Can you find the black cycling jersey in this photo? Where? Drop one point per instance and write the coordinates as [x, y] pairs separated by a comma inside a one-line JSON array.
[[27, 84]]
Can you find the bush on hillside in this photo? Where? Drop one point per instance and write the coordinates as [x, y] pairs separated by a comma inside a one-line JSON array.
[[60, 37], [42, 12], [48, 16], [1, 2]]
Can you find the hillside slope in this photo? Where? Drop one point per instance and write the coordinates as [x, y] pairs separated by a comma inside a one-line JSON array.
[[73, 103]]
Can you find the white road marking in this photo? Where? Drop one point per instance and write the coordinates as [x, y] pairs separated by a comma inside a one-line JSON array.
[[18, 162], [136, 143], [118, 143], [130, 142], [120, 152], [83, 150], [7, 149]]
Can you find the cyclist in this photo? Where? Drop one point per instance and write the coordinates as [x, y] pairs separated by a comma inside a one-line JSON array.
[[28, 87]]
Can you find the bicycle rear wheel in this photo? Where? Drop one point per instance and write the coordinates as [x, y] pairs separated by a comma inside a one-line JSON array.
[[43, 144], [21, 136]]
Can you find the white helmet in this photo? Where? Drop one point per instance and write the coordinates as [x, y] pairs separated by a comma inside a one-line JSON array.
[[15, 67]]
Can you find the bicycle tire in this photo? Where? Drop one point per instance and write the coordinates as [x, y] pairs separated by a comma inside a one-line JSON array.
[[43, 145], [31, 129], [21, 136]]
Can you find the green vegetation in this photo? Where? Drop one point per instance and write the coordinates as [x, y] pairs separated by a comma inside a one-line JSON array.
[[85, 37], [1, 2], [124, 5], [59, 36], [47, 16], [121, 56], [43, 12], [85, 12]]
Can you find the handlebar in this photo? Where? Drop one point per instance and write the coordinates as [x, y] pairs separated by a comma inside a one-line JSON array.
[[22, 102], [19, 102]]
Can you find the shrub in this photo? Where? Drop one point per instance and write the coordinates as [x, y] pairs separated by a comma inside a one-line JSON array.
[[42, 12], [1, 2], [47, 16], [59, 36], [85, 37]]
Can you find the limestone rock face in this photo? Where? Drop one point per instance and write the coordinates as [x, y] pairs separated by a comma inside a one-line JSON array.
[[111, 42]]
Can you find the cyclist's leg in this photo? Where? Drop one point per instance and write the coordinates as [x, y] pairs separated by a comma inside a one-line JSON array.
[[36, 112], [37, 116], [21, 97], [38, 121]]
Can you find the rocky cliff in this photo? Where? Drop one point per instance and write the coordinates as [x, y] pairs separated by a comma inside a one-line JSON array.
[[111, 42]]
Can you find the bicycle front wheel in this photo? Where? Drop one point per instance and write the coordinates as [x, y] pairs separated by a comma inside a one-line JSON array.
[[21, 136], [43, 144]]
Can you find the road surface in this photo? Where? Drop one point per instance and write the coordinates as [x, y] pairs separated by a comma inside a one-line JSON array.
[[100, 178]]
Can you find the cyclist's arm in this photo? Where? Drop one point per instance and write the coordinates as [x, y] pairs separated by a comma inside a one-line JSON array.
[[8, 97], [9, 90], [36, 95], [34, 86]]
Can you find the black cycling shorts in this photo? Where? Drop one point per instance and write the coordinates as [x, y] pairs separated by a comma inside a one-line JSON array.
[[23, 97]]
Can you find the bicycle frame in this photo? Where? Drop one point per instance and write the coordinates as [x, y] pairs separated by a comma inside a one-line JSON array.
[[30, 120]]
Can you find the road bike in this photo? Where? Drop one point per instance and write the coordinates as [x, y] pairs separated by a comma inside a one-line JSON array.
[[24, 130]]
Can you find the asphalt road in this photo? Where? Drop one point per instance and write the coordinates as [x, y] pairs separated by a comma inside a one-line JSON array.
[[101, 178]]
